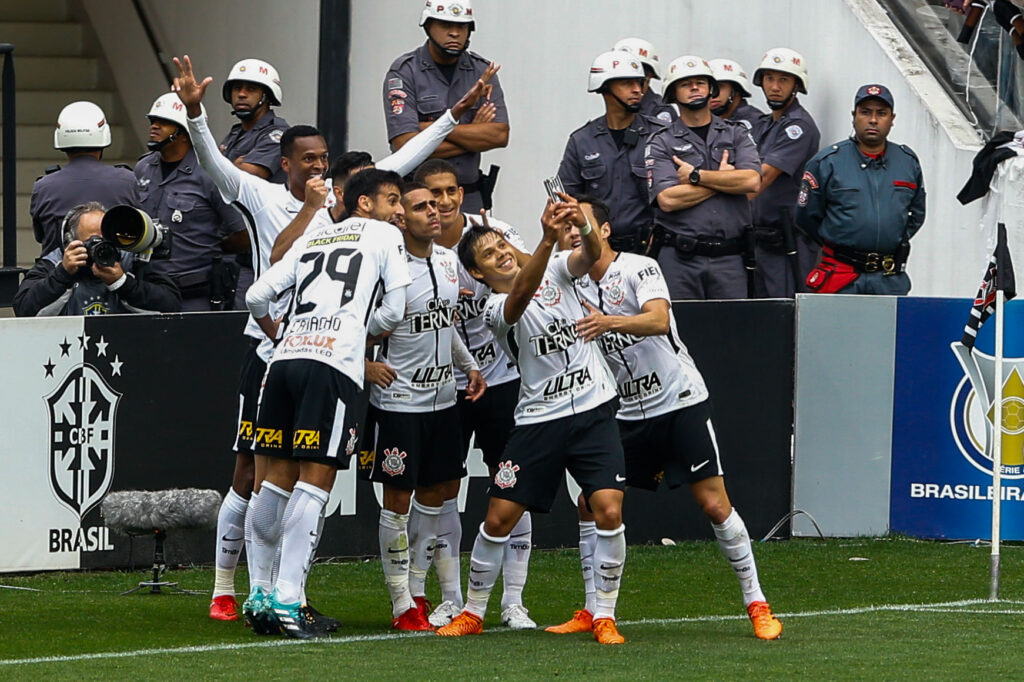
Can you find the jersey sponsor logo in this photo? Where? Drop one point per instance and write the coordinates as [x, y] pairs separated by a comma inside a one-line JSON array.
[[641, 388], [270, 438], [548, 293], [649, 271], [564, 384], [322, 343], [327, 241], [306, 439], [320, 323], [558, 336], [469, 307], [401, 395], [505, 477], [811, 181], [613, 342], [794, 132], [393, 463], [485, 355], [432, 377], [245, 430], [440, 315]]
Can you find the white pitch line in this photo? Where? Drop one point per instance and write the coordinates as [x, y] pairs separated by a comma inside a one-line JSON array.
[[938, 607]]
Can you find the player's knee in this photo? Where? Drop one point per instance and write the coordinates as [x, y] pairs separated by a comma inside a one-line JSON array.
[[397, 500], [717, 509]]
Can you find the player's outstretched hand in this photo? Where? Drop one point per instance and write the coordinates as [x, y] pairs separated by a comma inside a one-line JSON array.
[[479, 89], [380, 374], [476, 387], [593, 325], [316, 193], [190, 91], [556, 215]]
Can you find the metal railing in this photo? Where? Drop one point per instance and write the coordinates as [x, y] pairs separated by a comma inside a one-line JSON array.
[[10, 273]]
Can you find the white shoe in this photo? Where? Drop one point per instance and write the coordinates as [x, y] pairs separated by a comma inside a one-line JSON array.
[[444, 613], [517, 617]]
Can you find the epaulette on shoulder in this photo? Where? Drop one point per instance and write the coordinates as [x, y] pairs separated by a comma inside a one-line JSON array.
[[910, 152], [51, 169], [402, 61], [475, 56], [125, 165], [833, 148]]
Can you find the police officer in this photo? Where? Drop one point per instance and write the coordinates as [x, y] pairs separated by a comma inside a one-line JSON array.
[[254, 143], [82, 133], [863, 199], [605, 157], [786, 138], [421, 84], [177, 192], [699, 171], [733, 90], [652, 103]]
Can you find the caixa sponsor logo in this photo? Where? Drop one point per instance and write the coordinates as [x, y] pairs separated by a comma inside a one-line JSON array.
[[973, 415]]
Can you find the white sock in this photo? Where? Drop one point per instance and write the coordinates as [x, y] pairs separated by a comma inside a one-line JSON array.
[[266, 529], [484, 566], [588, 541], [299, 539], [516, 563], [609, 558], [446, 552], [423, 524], [316, 543], [734, 542], [249, 562], [230, 538], [394, 556]]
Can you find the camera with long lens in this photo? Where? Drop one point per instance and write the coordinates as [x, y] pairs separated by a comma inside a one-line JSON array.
[[101, 251], [132, 229]]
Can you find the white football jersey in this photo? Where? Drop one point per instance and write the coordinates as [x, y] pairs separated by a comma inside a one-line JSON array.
[[495, 366], [654, 374], [561, 375], [420, 347], [337, 271]]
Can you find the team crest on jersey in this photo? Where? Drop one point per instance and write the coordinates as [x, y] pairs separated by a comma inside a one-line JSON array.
[[615, 291], [506, 475], [549, 294], [449, 271], [393, 463], [350, 445]]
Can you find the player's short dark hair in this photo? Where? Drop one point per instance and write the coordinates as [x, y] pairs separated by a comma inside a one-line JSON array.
[[600, 209], [467, 245], [348, 162], [412, 185], [289, 136], [367, 183], [432, 167]]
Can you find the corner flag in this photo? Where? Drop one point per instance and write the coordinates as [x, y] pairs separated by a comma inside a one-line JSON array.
[[998, 276]]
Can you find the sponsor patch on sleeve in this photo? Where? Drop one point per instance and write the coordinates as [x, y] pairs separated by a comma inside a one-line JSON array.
[[811, 181], [794, 132]]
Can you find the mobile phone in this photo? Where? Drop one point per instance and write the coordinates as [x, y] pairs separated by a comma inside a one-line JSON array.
[[553, 185]]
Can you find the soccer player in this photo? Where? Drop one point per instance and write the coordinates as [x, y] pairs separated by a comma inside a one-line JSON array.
[[413, 394], [565, 415], [308, 421], [490, 417], [664, 414]]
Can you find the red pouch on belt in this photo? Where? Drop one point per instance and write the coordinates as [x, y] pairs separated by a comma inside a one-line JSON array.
[[830, 276]]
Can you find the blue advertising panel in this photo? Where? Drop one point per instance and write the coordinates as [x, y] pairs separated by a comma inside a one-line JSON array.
[[943, 412]]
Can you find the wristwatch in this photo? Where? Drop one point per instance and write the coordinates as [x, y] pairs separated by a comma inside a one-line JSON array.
[[695, 176]]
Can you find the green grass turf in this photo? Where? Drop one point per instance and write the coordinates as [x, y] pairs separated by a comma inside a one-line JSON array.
[[679, 609]]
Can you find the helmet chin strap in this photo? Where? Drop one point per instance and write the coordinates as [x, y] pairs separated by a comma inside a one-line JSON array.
[[776, 104], [158, 146], [246, 114], [630, 108], [446, 50], [695, 105], [718, 111]]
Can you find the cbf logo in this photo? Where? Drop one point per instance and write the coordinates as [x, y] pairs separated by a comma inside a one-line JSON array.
[[973, 415], [82, 416]]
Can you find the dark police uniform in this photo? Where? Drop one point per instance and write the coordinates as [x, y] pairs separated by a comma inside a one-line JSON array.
[[654, 106], [701, 245], [82, 180], [261, 146], [787, 144], [416, 90], [189, 204], [864, 209], [610, 166], [747, 114]]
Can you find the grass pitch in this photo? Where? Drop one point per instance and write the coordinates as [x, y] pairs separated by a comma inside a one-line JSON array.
[[852, 609]]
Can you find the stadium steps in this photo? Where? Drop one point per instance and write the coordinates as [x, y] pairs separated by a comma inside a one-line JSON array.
[[57, 60]]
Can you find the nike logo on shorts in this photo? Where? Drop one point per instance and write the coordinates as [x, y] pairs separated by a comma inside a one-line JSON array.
[[619, 478], [696, 467]]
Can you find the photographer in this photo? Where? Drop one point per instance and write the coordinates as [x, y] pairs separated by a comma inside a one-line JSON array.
[[70, 281]]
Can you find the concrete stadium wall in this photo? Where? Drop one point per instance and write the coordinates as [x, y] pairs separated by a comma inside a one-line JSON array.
[[546, 48]]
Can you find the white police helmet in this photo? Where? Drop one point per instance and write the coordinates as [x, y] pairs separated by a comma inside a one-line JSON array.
[[81, 124], [459, 12], [785, 60], [688, 66], [255, 71], [731, 72], [611, 66], [168, 107], [642, 50]]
